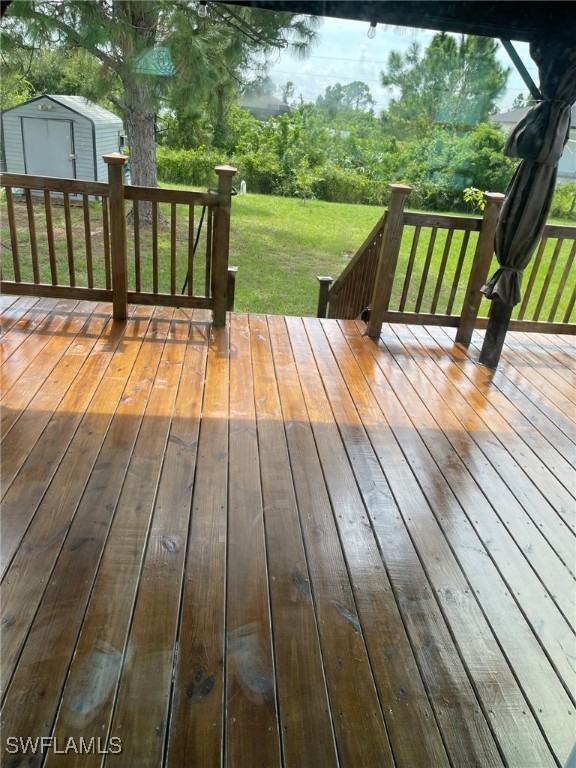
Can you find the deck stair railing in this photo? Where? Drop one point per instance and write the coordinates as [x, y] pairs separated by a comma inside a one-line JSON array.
[[427, 268], [352, 291], [82, 239]]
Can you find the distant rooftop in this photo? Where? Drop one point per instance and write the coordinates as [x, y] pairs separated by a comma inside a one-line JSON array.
[[515, 115]]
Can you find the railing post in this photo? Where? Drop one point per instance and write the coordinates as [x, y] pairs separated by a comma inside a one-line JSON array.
[[387, 258], [115, 162], [480, 267], [221, 244], [323, 292]]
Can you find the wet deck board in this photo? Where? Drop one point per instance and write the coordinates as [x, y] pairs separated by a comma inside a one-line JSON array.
[[283, 544]]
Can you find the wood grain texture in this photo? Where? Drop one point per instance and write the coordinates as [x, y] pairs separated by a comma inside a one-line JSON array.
[[361, 735], [282, 543], [102, 646], [251, 698], [306, 724], [30, 569], [142, 705], [511, 545], [413, 589], [197, 719], [41, 669]]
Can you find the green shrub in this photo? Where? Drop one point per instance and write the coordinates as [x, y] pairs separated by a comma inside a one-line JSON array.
[[564, 202], [194, 167], [261, 171], [339, 185]]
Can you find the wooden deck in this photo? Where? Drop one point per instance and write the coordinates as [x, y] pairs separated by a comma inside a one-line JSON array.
[[282, 544]]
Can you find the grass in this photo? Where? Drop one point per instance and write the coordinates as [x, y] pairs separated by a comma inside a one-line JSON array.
[[279, 245]]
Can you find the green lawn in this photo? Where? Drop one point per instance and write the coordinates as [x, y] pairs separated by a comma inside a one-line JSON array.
[[279, 245]]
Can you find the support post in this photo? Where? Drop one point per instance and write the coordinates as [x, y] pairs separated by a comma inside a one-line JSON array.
[[115, 162], [221, 244], [387, 258], [323, 293], [495, 333], [480, 267]]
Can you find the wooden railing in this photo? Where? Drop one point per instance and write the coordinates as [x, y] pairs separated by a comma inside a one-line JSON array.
[[78, 239], [423, 268], [352, 291]]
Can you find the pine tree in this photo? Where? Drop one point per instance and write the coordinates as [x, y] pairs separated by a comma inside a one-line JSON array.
[[161, 52], [453, 82]]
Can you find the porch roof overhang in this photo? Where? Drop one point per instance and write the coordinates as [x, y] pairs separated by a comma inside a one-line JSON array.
[[520, 21]]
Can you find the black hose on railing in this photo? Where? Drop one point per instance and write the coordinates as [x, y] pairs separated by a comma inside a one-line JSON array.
[[198, 231]]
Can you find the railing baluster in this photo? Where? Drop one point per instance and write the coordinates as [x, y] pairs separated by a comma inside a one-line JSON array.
[[69, 240], [137, 260], [13, 235], [442, 270], [32, 231], [366, 277], [173, 234], [426, 269], [208, 275], [533, 272], [88, 241], [231, 292], [154, 247], [50, 237], [106, 236], [562, 283], [190, 250], [570, 307], [409, 268], [458, 272], [548, 278], [355, 283]]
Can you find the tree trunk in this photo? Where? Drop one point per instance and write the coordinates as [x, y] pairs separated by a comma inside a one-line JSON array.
[[220, 118], [140, 127]]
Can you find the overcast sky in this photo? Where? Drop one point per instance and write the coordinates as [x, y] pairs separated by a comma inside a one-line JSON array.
[[344, 53]]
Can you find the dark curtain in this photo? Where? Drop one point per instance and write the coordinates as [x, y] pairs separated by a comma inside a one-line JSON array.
[[538, 139]]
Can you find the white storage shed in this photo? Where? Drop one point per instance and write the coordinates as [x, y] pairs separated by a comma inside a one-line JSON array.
[[62, 136]]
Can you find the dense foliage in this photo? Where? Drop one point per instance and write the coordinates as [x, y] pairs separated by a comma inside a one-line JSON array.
[[434, 135], [349, 159], [151, 56], [564, 202]]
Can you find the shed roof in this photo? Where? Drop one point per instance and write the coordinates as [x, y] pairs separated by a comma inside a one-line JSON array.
[[80, 105]]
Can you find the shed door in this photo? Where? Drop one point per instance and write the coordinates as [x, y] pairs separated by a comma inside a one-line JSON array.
[[48, 147]]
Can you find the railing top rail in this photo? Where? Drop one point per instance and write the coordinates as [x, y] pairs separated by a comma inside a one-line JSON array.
[[54, 184], [443, 221], [565, 231], [158, 195], [473, 223]]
